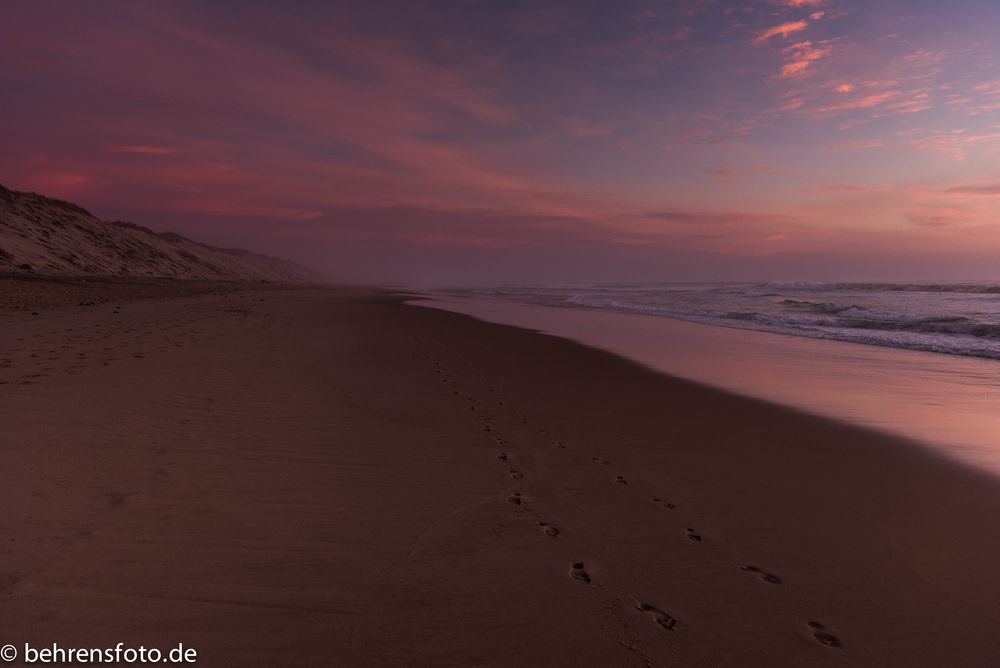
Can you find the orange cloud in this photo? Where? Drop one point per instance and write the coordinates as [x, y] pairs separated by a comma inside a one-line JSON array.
[[783, 29], [802, 55], [794, 68]]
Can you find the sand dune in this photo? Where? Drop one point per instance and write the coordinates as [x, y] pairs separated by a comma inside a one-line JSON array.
[[45, 236]]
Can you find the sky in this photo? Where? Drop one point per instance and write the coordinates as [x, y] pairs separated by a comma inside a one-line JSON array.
[[450, 143]]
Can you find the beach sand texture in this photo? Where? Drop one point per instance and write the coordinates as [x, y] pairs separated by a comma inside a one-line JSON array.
[[321, 476]]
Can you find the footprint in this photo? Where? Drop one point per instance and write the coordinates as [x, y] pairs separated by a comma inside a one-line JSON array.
[[660, 617], [516, 475], [665, 504], [766, 577], [601, 461], [502, 456], [515, 498], [549, 529], [821, 636], [693, 535], [620, 480], [577, 572]]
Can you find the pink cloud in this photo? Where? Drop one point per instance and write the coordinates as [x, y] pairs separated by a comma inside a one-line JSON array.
[[956, 143], [863, 102], [794, 68], [989, 189], [470, 241], [143, 150], [856, 145], [801, 55], [941, 216], [783, 30], [723, 173], [239, 208], [54, 182], [791, 105], [851, 188], [988, 87], [911, 102], [981, 98]]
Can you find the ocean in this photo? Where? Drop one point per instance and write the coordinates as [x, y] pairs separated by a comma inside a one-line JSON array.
[[950, 318]]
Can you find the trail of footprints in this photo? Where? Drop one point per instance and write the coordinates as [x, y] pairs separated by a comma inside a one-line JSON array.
[[578, 569]]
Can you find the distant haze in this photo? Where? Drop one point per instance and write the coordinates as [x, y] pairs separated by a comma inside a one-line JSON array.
[[502, 142]]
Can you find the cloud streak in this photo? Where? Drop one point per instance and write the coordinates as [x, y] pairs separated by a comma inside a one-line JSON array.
[[781, 30]]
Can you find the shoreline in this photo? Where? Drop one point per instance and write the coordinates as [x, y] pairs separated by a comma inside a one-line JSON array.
[[942, 402], [328, 475]]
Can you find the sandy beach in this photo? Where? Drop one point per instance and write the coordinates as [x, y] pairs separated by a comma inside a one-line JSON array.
[[321, 476]]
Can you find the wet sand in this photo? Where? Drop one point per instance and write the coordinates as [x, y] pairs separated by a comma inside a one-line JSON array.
[[282, 477], [950, 403]]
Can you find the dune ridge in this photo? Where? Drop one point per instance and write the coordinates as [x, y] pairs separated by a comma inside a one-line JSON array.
[[45, 236]]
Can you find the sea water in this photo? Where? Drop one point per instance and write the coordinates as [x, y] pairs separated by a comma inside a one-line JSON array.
[[952, 318]]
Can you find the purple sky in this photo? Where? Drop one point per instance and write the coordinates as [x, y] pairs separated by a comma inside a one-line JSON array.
[[454, 142]]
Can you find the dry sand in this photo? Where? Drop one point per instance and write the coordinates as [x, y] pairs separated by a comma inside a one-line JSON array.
[[326, 477]]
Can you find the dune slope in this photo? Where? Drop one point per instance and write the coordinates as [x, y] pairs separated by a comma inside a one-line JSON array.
[[51, 237]]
